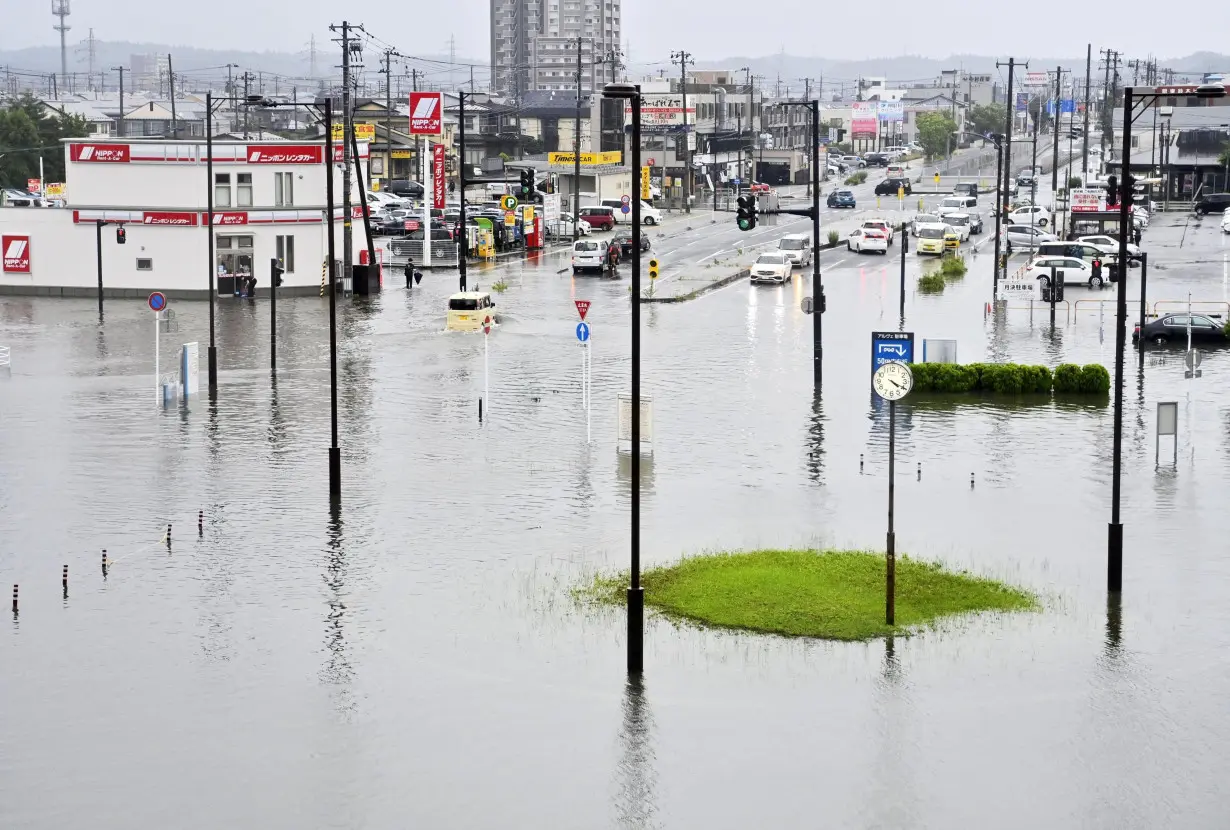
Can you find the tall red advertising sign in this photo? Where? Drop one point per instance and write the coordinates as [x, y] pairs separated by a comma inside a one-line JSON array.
[[437, 176], [426, 113]]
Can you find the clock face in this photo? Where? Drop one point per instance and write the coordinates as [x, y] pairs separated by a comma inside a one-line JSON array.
[[893, 381]]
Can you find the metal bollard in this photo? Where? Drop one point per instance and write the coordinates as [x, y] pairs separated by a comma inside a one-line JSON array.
[[920, 471], [480, 410], [200, 523], [168, 537], [860, 463], [64, 580], [971, 481], [14, 598], [104, 563]]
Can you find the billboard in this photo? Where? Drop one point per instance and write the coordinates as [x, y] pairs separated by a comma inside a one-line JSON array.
[[587, 159], [662, 113], [288, 154], [1037, 79], [1086, 199], [363, 132], [863, 119], [426, 113], [891, 111], [438, 187], [165, 217], [1022, 102], [16, 254]]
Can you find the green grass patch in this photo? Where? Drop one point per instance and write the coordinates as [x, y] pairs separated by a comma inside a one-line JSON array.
[[931, 283], [952, 267], [835, 237], [832, 595], [857, 178], [499, 287]]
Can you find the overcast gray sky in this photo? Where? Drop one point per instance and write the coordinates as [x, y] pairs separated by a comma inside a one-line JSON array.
[[710, 30]]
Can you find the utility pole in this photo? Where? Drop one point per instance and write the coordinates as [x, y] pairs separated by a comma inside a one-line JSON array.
[[247, 79], [811, 174], [119, 125], [230, 90], [174, 117], [388, 117], [1108, 98], [347, 130], [683, 59], [576, 149], [1085, 152], [1055, 130], [1007, 165]]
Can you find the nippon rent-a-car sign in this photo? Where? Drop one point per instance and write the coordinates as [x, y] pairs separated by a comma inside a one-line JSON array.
[[16, 254], [166, 217], [287, 154], [426, 113], [104, 153]]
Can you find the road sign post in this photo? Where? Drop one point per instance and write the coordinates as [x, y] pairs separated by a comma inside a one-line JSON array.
[[892, 382], [586, 365], [891, 347], [157, 302]]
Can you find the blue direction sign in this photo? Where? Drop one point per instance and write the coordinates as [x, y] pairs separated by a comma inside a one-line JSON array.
[[157, 301], [625, 209], [582, 332], [736, 182], [891, 347]]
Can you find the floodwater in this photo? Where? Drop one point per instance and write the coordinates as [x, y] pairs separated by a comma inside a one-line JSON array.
[[415, 658]]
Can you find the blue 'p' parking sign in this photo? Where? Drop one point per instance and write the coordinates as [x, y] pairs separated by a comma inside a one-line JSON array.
[[891, 347]]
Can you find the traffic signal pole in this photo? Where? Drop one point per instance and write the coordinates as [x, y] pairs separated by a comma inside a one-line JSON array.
[[274, 276]]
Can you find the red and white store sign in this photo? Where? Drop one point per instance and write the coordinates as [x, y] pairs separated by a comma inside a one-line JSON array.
[[230, 218], [290, 154], [426, 113], [100, 153], [16, 254], [437, 176], [164, 217]]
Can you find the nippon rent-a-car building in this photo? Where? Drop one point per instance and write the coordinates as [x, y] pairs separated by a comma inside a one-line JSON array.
[[269, 202]]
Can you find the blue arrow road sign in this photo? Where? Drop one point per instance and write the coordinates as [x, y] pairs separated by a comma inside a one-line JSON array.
[[891, 347], [582, 332]]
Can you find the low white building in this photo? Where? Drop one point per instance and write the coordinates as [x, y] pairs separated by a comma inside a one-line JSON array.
[[269, 202]]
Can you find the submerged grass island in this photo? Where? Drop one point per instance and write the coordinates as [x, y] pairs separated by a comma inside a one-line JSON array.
[[832, 595]]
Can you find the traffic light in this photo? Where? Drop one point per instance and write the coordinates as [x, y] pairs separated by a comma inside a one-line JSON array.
[[653, 269], [1112, 190], [121, 235], [527, 184], [1057, 289], [841, 135], [1097, 268], [747, 213], [275, 272]]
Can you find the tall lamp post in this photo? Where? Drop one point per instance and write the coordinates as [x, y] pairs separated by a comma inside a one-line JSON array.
[[636, 594], [998, 141], [1131, 97]]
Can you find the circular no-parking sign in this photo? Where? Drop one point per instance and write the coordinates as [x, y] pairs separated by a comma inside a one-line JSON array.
[[157, 301]]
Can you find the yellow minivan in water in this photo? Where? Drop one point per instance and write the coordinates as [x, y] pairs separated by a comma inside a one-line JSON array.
[[468, 309]]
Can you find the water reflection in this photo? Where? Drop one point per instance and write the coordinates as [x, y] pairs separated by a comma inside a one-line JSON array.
[[337, 671], [815, 440], [636, 778], [1114, 626]]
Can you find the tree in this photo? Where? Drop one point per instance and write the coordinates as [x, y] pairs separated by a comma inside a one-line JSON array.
[[986, 119], [28, 129], [935, 131]]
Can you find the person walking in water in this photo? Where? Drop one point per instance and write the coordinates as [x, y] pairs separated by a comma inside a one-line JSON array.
[[409, 273]]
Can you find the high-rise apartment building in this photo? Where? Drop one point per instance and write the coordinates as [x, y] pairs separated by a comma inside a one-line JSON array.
[[534, 44]]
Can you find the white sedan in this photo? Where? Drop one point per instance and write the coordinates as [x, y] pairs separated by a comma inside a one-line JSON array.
[[775, 268], [880, 224], [1030, 215], [1225, 222], [867, 239], [1109, 245], [1071, 270]]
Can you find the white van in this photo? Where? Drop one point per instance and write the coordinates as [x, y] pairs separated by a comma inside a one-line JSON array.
[[956, 204], [796, 247], [650, 215], [589, 255]]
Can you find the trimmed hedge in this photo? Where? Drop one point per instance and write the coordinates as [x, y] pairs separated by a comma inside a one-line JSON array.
[[1011, 378]]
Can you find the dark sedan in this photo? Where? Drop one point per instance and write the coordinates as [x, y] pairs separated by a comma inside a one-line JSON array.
[[624, 240], [889, 187], [1172, 328], [841, 199]]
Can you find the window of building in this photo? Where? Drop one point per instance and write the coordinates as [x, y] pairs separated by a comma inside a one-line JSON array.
[[286, 252], [144, 264], [243, 189], [283, 189], [222, 189]]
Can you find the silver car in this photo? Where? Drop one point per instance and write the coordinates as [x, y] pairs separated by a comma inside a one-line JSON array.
[[1026, 236]]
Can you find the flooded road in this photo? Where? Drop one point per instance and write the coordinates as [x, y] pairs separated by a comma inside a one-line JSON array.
[[415, 658]]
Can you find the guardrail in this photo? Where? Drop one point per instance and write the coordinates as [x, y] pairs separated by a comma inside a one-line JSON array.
[[1195, 305], [1038, 305]]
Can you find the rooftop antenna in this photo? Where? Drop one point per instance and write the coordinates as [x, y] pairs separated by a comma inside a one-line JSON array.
[[60, 9]]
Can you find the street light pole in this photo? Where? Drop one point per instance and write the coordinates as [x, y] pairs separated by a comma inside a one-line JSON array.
[[635, 593], [335, 453], [1114, 560], [999, 164], [209, 229], [817, 288]]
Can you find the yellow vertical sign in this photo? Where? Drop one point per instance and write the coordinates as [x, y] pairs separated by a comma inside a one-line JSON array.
[[645, 191]]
